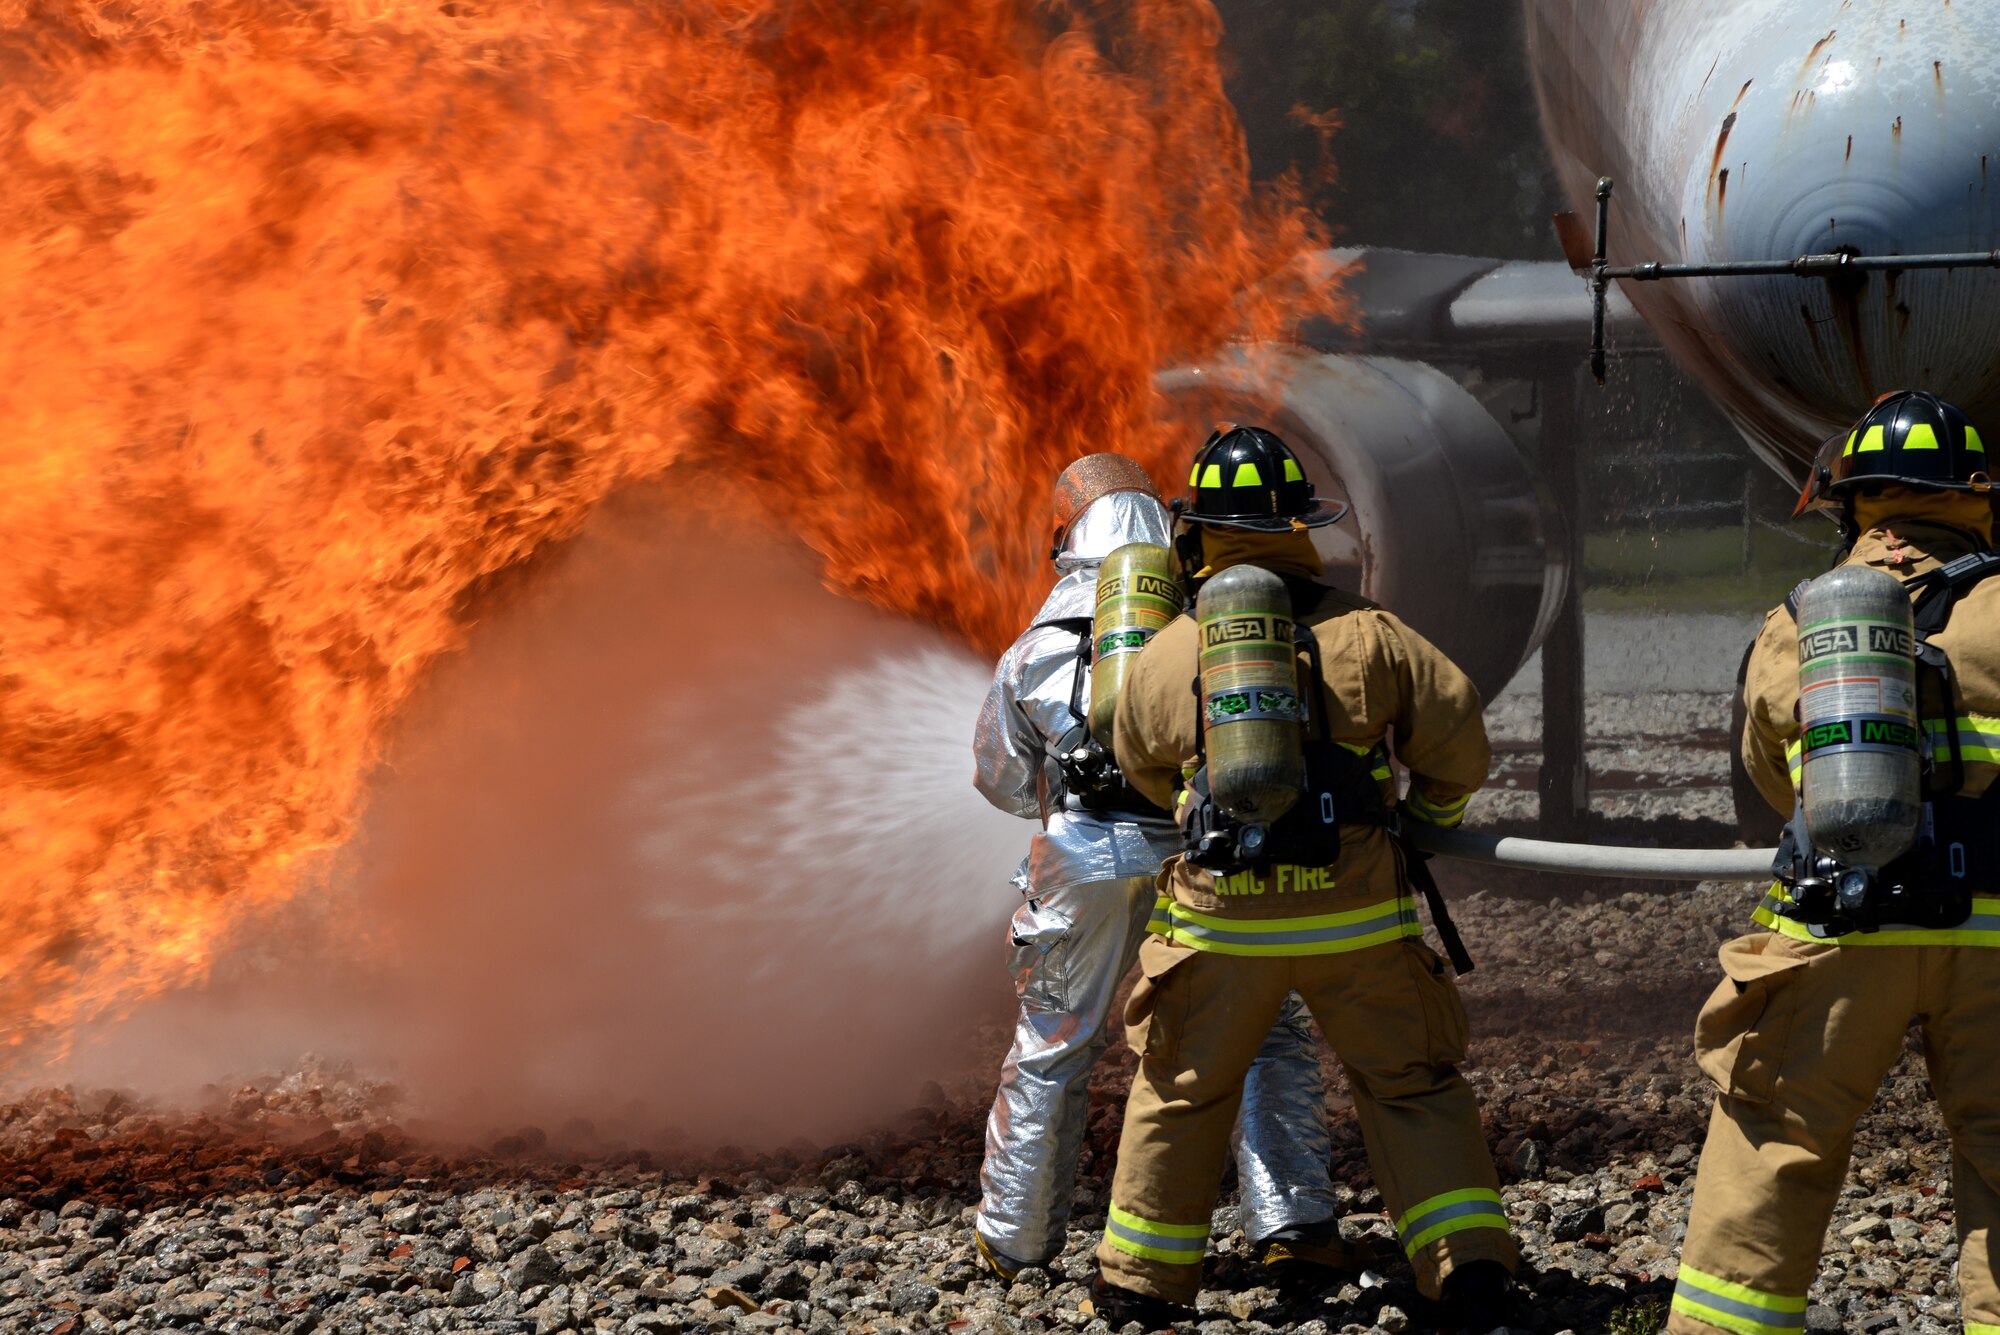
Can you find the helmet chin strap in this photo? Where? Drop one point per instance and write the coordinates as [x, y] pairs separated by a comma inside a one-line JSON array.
[[1187, 548], [1849, 526]]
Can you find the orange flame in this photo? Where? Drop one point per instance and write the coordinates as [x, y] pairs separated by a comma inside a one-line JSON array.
[[316, 314]]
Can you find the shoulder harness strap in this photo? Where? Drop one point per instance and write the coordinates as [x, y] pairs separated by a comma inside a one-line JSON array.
[[1936, 591], [1081, 627]]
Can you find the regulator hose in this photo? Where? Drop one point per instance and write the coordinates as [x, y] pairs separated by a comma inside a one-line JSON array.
[[1657, 864]]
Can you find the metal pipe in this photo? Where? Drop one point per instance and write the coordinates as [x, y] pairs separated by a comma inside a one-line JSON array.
[[1805, 266], [1600, 280], [1654, 864]]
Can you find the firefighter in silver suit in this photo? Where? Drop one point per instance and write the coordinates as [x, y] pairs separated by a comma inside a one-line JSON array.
[[1089, 888]]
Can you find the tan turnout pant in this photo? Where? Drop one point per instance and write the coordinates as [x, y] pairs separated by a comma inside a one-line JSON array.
[[1394, 1019], [1798, 1037]]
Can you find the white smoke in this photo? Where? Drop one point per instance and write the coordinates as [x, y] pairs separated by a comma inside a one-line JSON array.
[[681, 841]]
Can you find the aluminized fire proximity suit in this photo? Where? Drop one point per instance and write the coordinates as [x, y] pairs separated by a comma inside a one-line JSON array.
[[1346, 938], [1801, 1031], [1089, 886]]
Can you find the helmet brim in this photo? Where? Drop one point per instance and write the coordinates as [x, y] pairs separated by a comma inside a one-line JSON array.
[[1320, 515], [1817, 491]]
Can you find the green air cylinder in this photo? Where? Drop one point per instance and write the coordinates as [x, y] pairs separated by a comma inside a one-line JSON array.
[[1250, 714], [1137, 594], [1861, 784]]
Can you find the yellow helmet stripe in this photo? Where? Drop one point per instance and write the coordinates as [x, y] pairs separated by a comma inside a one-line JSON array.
[[1972, 440], [1211, 476], [1920, 436], [1247, 476], [1292, 473], [1872, 441]]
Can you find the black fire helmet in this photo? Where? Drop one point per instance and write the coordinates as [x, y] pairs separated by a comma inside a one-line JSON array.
[[1246, 477], [1909, 438]]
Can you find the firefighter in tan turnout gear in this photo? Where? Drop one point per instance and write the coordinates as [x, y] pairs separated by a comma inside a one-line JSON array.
[[1087, 892], [1320, 908], [1873, 702]]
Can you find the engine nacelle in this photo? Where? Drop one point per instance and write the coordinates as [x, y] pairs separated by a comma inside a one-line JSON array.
[[1447, 530]]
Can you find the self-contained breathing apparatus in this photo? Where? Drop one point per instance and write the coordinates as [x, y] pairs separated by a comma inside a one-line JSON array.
[[1262, 791], [1270, 785], [1880, 836], [1136, 595]]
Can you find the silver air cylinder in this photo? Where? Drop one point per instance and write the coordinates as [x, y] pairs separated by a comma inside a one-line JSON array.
[[1250, 712], [1862, 784]]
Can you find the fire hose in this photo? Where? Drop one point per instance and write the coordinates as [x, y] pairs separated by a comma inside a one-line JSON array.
[[1659, 864]]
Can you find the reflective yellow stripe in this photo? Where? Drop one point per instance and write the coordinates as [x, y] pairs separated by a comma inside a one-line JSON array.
[[1161, 922], [1211, 476], [1737, 1307], [1742, 1293], [1978, 737], [1871, 441], [1430, 1203], [1247, 476], [1434, 813], [1981, 1328], [1978, 741], [1852, 436], [1974, 443], [1453, 1212], [1323, 934], [1194, 474], [1375, 752], [1920, 436], [1176, 1244], [1981, 929], [1292, 473]]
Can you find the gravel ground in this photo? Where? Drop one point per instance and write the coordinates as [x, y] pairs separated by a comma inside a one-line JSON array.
[[1660, 757], [305, 1204], [316, 1202]]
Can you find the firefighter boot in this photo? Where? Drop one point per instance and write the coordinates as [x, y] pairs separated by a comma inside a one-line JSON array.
[[1310, 1256], [1478, 1297], [1120, 1307]]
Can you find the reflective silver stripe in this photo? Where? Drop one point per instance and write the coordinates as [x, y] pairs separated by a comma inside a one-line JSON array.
[[1457, 1211], [1195, 1248], [1762, 1316], [1404, 915]]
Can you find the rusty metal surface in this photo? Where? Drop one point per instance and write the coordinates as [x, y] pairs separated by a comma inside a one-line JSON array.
[[1762, 129]]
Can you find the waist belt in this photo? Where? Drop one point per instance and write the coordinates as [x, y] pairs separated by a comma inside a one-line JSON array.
[[1931, 891], [1980, 928]]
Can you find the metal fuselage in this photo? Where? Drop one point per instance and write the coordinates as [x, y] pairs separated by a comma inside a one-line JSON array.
[[1769, 129]]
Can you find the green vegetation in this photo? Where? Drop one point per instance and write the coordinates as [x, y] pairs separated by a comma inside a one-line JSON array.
[[1439, 146], [1641, 1318], [1695, 570]]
